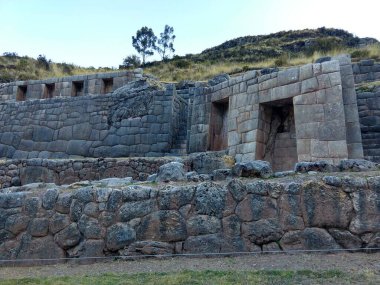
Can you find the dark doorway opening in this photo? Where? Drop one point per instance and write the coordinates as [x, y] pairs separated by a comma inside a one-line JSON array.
[[77, 88], [219, 126], [21, 93], [107, 85], [49, 91]]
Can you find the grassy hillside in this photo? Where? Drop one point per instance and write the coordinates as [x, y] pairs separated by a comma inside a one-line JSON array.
[[279, 49]]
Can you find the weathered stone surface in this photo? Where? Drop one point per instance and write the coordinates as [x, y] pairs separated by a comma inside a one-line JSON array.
[[310, 238], [58, 222], [257, 168], [132, 210], [49, 198], [17, 223], [88, 248], [39, 248], [209, 199], [202, 224], [346, 239], [119, 236], [173, 171], [320, 166], [262, 231], [325, 207], [91, 228], [173, 198], [165, 226], [68, 237], [201, 244], [357, 165], [256, 207], [207, 162], [149, 248], [39, 227]]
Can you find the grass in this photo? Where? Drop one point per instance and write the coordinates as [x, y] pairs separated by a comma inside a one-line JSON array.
[[368, 86], [207, 277], [180, 68]]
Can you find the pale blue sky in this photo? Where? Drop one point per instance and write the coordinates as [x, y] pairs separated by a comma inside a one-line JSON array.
[[98, 32]]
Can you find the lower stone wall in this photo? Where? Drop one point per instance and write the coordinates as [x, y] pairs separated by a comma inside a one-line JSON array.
[[366, 70], [331, 213], [369, 112], [66, 171]]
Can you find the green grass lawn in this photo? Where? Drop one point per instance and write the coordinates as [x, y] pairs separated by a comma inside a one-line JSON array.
[[208, 277]]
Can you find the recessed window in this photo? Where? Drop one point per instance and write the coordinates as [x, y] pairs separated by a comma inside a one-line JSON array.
[[49, 91], [107, 85], [21, 93], [77, 88]]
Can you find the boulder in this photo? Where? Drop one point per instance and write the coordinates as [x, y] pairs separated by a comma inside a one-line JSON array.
[[256, 168], [207, 162], [319, 166], [357, 165], [149, 247], [172, 171], [119, 236]]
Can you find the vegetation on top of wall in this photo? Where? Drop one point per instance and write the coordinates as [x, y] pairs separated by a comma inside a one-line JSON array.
[[368, 86], [282, 49]]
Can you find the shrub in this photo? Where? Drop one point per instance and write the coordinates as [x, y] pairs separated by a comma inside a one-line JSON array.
[[10, 54], [43, 62], [182, 63], [360, 53]]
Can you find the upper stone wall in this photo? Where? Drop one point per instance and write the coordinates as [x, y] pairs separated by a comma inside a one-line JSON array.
[[112, 125], [100, 83], [366, 71]]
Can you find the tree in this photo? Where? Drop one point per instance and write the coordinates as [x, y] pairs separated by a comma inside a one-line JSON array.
[[144, 42], [165, 43], [132, 61], [43, 62]]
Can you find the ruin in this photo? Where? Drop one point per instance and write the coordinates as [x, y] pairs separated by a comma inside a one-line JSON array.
[[87, 130]]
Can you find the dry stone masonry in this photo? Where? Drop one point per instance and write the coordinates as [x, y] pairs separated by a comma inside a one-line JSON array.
[[90, 169], [113, 217]]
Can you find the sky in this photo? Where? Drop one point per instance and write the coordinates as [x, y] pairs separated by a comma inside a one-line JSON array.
[[99, 32]]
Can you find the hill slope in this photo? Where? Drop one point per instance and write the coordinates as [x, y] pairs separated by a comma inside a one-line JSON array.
[[279, 49]]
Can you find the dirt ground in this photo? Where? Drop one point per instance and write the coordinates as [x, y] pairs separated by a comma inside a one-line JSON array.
[[351, 263]]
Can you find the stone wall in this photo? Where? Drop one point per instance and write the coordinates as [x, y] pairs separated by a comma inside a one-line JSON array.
[[100, 83], [66, 171], [111, 125], [325, 111], [369, 112], [366, 70], [96, 220]]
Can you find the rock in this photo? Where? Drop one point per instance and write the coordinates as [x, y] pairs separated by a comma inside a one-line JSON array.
[[39, 227], [231, 226], [39, 248], [219, 79], [203, 244], [262, 231], [167, 226], [192, 176], [49, 198], [88, 248], [221, 174], [256, 207], [137, 193], [271, 247], [346, 239], [173, 198], [284, 173], [152, 178], [325, 207], [17, 223], [207, 162], [203, 224], [119, 236], [319, 166], [116, 182], [332, 181], [309, 239], [63, 203], [68, 237], [256, 168], [237, 189], [172, 171], [323, 59], [357, 165], [210, 199], [91, 228], [132, 210], [149, 248], [58, 222], [374, 244]]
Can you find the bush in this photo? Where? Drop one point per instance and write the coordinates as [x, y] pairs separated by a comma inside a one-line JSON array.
[[10, 54], [182, 63], [360, 53], [282, 60], [131, 61], [43, 62]]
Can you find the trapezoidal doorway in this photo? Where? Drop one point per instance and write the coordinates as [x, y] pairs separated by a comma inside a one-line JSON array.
[[278, 126], [218, 126]]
